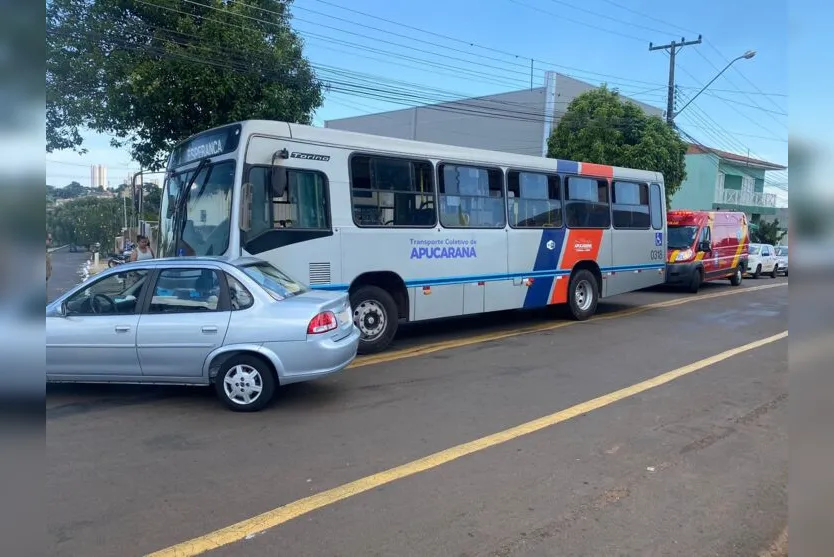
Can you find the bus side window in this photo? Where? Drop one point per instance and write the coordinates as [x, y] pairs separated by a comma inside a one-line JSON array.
[[657, 207], [631, 205], [471, 197], [304, 204], [586, 204], [387, 191], [535, 200]]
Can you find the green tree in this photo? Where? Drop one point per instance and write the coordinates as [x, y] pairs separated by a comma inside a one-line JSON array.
[[768, 233], [151, 202], [152, 73], [86, 221], [601, 127]]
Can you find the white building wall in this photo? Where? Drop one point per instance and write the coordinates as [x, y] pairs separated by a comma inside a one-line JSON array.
[[516, 122]]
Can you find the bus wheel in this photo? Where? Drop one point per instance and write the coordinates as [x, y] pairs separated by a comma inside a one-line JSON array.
[[375, 315], [735, 280], [583, 294]]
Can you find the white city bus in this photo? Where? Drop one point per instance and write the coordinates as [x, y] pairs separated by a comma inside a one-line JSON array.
[[415, 230]]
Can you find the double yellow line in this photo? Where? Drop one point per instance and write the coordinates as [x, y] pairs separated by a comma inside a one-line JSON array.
[[275, 517]]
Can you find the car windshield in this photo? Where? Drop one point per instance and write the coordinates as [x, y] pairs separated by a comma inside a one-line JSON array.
[[206, 212], [681, 237], [278, 284], [754, 250]]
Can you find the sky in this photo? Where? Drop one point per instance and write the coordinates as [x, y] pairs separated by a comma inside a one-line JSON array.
[[464, 48]]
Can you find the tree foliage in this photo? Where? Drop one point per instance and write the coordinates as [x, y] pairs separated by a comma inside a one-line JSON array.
[[86, 221], [152, 73], [768, 233], [601, 127]]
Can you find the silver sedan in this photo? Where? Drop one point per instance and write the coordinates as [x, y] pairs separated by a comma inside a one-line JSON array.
[[242, 325]]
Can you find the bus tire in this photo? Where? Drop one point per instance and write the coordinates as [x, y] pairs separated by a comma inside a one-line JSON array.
[[583, 294], [735, 280], [375, 315]]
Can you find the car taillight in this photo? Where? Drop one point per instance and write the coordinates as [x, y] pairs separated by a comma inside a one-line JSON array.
[[322, 323]]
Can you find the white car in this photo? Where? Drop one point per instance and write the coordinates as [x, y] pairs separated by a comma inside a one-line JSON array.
[[782, 258], [761, 259]]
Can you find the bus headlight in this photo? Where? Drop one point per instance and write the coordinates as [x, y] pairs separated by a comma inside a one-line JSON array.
[[684, 255]]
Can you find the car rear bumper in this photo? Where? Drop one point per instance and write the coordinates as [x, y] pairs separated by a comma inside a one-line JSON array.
[[680, 273], [315, 357]]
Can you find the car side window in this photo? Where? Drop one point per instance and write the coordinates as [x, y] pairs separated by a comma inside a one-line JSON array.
[[116, 294], [239, 296], [766, 251], [186, 291]]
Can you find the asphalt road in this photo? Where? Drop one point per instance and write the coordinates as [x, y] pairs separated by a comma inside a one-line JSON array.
[[695, 466], [65, 271]]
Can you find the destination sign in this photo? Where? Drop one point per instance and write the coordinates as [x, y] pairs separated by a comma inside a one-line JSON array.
[[210, 144]]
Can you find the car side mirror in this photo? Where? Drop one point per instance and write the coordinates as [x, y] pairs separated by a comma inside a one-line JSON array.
[[705, 246], [64, 310]]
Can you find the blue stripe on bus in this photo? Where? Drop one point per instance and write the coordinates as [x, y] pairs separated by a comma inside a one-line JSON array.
[[547, 261], [570, 167], [467, 279]]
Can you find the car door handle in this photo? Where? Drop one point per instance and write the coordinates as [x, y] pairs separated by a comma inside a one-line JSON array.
[[122, 328], [209, 329]]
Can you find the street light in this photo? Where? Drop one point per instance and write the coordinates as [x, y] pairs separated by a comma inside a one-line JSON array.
[[747, 55]]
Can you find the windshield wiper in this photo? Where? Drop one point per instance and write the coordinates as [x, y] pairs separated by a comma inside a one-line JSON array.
[[182, 196]]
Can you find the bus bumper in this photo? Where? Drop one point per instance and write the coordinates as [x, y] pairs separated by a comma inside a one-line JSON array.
[[680, 273]]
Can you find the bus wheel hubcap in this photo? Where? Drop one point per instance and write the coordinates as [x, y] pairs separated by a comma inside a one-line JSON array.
[[583, 295], [369, 317]]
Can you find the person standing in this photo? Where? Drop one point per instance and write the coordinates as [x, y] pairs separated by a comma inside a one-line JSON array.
[[142, 250]]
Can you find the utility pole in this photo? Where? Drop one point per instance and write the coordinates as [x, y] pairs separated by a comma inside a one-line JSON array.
[[673, 49]]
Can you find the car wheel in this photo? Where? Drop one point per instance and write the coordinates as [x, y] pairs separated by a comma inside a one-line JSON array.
[[375, 315], [735, 280], [583, 294], [245, 383], [758, 272], [775, 271], [696, 281]]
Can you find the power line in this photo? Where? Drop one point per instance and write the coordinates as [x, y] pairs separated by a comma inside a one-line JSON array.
[[754, 122], [757, 105], [647, 16], [563, 17]]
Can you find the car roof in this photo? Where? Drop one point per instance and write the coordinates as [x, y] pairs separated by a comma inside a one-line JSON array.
[[168, 262]]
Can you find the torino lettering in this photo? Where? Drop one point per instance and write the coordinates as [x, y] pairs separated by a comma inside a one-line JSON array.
[[443, 253]]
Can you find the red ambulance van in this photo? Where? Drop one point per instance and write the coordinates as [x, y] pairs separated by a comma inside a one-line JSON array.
[[705, 246]]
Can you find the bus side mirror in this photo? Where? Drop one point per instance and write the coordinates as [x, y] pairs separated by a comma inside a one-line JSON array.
[[278, 181]]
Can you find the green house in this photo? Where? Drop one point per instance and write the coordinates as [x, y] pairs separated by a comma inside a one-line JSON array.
[[720, 180]]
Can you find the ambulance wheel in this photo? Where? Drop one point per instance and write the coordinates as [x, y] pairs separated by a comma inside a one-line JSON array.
[[583, 294], [375, 315], [758, 272], [775, 271], [735, 280], [696, 281]]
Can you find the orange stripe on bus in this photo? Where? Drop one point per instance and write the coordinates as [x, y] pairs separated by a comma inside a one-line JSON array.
[[581, 245]]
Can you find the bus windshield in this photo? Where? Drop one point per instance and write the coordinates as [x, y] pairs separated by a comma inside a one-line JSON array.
[[204, 220], [681, 237]]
